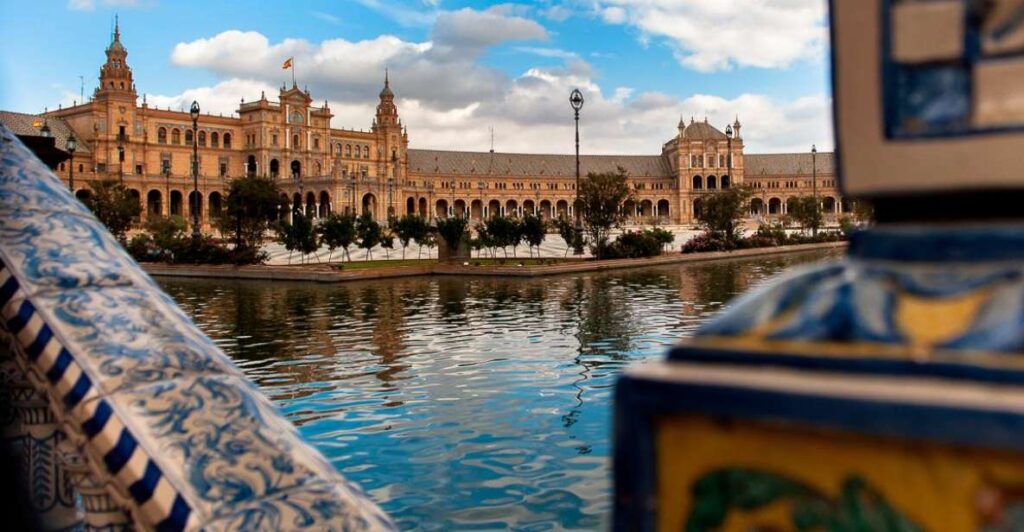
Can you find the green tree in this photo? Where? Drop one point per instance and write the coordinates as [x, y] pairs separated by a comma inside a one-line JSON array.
[[601, 197], [167, 232], [338, 231], [114, 206], [369, 233], [300, 235], [407, 228], [387, 241], [452, 230], [534, 231], [501, 231], [573, 237], [806, 212], [252, 205], [722, 212]]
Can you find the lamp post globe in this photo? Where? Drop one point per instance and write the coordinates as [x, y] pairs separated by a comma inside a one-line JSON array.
[[194, 113], [45, 130], [72, 145]]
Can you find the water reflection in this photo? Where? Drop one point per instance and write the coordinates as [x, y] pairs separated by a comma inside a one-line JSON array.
[[464, 402]]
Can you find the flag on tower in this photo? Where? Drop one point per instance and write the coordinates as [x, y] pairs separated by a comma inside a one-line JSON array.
[[288, 63]]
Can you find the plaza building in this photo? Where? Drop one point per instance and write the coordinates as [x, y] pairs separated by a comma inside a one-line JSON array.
[[323, 169]]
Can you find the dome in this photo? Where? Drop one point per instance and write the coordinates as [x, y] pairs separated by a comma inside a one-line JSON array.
[[702, 131]]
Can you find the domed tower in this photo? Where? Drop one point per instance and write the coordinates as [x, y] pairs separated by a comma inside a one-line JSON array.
[[116, 80]]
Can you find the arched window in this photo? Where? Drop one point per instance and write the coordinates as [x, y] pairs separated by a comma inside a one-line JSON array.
[[214, 139], [227, 140], [366, 152], [295, 142], [348, 150], [202, 138], [175, 136], [161, 135], [711, 182], [698, 183], [188, 137]]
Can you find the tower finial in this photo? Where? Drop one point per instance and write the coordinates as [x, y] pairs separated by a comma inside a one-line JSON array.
[[117, 28], [386, 82]]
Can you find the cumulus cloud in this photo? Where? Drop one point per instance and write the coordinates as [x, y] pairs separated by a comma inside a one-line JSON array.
[[709, 35], [449, 100]]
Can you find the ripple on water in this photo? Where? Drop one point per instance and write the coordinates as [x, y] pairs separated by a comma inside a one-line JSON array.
[[465, 403]]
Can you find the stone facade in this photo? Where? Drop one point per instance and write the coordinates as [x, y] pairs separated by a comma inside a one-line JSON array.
[[329, 169]]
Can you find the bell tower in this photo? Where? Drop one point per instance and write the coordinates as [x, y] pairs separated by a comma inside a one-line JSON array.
[[115, 76]]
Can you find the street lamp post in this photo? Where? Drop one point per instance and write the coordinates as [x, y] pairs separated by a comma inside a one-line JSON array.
[[71, 146], [814, 186], [576, 101], [167, 182], [194, 112]]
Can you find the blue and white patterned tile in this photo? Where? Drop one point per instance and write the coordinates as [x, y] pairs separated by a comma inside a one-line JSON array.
[[227, 443], [63, 250], [314, 507], [129, 337]]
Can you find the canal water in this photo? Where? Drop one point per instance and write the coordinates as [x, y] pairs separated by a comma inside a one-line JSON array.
[[466, 403]]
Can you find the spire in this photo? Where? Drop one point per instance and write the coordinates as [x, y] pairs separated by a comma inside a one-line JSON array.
[[386, 91], [117, 29]]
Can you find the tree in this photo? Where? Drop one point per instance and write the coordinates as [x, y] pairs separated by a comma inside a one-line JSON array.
[[723, 211], [601, 197], [500, 230], [452, 230], [387, 241], [114, 206], [407, 228], [863, 211], [167, 232], [573, 237], [534, 230], [338, 231], [252, 205], [369, 233], [429, 240], [805, 211], [422, 237], [300, 235]]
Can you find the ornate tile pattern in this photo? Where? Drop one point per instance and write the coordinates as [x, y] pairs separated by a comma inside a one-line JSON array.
[[184, 440]]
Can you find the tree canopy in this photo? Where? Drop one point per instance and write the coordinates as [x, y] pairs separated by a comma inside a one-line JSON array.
[[722, 212], [601, 197], [253, 204], [114, 206]]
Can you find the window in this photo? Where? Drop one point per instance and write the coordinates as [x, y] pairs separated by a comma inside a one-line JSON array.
[[273, 139], [316, 143], [101, 167], [188, 137], [202, 138], [366, 152], [165, 165], [61, 167], [80, 167], [214, 139], [138, 169], [295, 142], [227, 140], [175, 136], [348, 150], [223, 169], [161, 135]]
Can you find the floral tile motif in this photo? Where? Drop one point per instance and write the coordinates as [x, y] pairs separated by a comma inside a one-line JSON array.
[[228, 441], [129, 337], [313, 507], [65, 250]]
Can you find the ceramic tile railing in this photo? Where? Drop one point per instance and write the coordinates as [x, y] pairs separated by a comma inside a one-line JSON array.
[[121, 399]]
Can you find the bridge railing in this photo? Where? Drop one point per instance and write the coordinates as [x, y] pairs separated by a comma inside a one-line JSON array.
[[125, 414]]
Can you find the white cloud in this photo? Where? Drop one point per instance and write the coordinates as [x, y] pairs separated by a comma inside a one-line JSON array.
[[709, 35], [556, 13], [448, 99], [326, 17]]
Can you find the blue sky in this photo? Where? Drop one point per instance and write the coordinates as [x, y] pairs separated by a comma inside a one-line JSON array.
[[458, 68]]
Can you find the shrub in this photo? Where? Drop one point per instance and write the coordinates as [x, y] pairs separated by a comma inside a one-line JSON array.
[[708, 241], [635, 244]]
